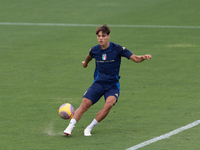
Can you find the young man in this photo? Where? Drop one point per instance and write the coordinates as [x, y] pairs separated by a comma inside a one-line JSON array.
[[106, 78]]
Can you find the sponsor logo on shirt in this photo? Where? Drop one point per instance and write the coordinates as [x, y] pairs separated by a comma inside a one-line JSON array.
[[103, 61]]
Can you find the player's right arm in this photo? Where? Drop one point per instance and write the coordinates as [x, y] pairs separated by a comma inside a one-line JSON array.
[[87, 60]]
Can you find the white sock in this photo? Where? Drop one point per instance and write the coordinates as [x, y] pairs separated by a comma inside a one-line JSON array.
[[72, 122], [94, 122]]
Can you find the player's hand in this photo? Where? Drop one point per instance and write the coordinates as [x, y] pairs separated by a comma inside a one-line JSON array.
[[146, 57], [84, 64]]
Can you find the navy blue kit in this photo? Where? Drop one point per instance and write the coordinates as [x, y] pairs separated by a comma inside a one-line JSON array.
[[106, 74]]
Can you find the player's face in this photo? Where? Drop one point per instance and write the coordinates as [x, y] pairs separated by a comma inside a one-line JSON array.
[[103, 39]]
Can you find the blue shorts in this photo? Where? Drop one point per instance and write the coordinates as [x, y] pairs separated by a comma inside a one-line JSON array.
[[97, 90]]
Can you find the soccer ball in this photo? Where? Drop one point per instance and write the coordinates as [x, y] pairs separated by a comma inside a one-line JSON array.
[[66, 111]]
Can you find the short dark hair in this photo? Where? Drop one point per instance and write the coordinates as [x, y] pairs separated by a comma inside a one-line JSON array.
[[104, 29]]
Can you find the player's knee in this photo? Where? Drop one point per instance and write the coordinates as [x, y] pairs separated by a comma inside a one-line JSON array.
[[85, 105], [109, 105], [110, 102]]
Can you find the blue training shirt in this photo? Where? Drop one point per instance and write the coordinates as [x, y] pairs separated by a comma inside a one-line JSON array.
[[108, 62]]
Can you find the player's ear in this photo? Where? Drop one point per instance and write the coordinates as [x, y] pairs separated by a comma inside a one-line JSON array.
[[108, 37]]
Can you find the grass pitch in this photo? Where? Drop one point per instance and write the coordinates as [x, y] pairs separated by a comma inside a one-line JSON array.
[[41, 69]]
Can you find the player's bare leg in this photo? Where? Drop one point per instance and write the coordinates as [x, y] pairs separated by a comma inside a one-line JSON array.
[[85, 105], [110, 101]]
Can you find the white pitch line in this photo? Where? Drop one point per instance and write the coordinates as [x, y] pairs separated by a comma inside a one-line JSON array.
[[167, 135], [96, 25]]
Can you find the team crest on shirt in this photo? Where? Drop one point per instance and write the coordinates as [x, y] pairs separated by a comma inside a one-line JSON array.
[[104, 56]]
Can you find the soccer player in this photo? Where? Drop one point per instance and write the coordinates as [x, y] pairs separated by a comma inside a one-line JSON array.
[[106, 78]]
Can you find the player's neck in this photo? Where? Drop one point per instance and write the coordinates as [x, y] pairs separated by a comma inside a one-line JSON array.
[[103, 47]]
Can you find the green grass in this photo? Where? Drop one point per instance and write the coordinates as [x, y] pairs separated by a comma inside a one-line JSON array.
[[40, 69]]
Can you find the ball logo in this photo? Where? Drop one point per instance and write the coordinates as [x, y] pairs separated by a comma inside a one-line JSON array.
[[104, 56]]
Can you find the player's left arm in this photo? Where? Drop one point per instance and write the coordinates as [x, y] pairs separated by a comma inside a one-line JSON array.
[[138, 59]]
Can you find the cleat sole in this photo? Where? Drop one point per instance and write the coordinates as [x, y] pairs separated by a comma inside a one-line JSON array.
[[67, 134]]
